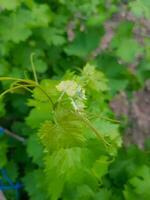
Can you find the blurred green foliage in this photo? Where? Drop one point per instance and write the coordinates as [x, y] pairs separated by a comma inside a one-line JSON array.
[[65, 35]]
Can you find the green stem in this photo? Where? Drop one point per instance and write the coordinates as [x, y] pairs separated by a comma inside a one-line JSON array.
[[29, 82], [106, 118], [17, 79], [15, 88], [33, 68], [88, 123], [50, 99]]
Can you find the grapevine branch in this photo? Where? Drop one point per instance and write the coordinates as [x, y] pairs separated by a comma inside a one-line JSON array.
[[14, 135]]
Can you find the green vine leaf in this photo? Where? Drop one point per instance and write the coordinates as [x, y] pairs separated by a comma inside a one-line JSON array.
[[68, 131]]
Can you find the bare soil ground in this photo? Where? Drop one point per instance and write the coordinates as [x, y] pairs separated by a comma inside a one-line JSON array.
[[138, 112]]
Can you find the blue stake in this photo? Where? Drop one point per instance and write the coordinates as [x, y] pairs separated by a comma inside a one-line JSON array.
[[11, 185], [2, 131]]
